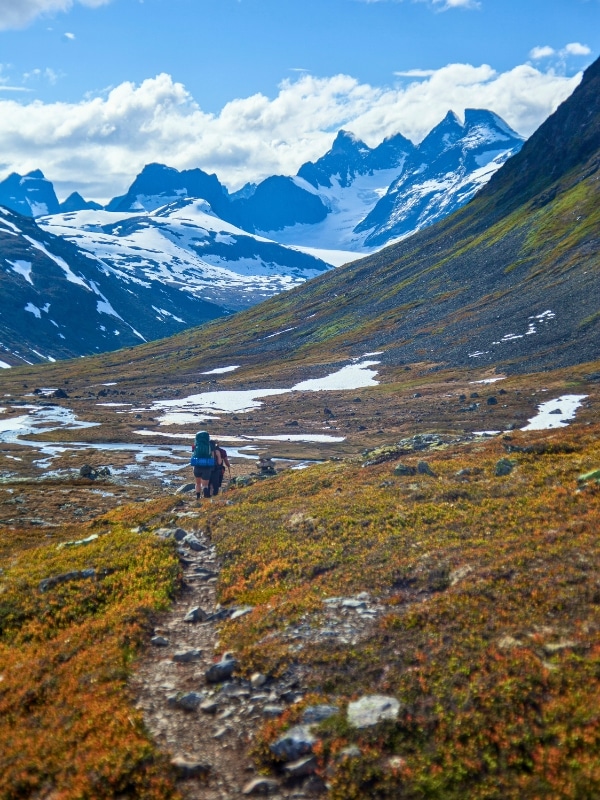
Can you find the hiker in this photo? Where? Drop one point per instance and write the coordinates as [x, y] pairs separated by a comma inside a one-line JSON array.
[[218, 473], [205, 458]]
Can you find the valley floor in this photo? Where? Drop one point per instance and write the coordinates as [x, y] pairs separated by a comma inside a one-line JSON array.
[[452, 574]]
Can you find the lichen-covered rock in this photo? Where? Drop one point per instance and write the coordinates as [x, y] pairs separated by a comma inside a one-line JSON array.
[[295, 743], [371, 709]]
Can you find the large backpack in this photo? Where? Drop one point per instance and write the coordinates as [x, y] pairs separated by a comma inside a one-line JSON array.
[[203, 451]]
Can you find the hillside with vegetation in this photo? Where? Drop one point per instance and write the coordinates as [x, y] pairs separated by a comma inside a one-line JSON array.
[[415, 613]]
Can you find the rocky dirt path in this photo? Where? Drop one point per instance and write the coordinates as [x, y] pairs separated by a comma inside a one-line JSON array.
[[205, 718]]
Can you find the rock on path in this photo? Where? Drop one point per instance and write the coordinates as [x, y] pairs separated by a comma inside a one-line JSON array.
[[207, 726]]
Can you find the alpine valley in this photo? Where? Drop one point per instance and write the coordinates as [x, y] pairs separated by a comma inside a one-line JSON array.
[[178, 249], [395, 593]]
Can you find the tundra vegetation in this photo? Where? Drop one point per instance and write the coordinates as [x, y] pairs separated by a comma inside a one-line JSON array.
[[488, 632]]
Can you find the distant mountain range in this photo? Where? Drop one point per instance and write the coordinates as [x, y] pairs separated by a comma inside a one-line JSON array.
[[354, 198], [507, 283], [178, 249]]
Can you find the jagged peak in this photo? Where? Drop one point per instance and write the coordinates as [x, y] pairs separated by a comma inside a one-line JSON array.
[[346, 141], [479, 116]]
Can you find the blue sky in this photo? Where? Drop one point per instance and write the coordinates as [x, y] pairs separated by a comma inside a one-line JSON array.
[[90, 90]]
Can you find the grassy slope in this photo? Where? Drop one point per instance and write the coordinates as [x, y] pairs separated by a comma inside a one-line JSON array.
[[490, 636], [67, 728]]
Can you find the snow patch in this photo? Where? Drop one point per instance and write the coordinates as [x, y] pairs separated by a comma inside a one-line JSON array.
[[22, 268], [33, 310], [555, 413], [220, 370]]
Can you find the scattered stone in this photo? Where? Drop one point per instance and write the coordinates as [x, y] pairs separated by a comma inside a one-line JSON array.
[[59, 393], [241, 612], [555, 411], [179, 534], [352, 751], [195, 615], [295, 743], [187, 487], [404, 469], [260, 786], [491, 401], [87, 471], [257, 680], [371, 709], [75, 575], [187, 656], [301, 768], [594, 475], [315, 714], [188, 702], [194, 543], [423, 468], [458, 574], [190, 769], [504, 467], [210, 706], [221, 671], [353, 604], [78, 542], [509, 643], [555, 647], [159, 641]]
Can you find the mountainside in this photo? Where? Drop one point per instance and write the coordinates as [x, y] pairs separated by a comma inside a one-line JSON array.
[[509, 281], [354, 198], [450, 165], [183, 245], [59, 302]]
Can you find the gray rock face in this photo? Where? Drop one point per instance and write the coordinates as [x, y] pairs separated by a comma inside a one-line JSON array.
[[159, 641], [221, 671], [294, 744], [301, 768], [188, 702], [195, 615], [187, 656], [65, 577], [315, 714], [194, 543], [260, 786], [371, 709], [504, 467]]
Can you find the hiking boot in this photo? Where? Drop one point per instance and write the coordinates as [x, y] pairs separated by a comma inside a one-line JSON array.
[[197, 495], [207, 493]]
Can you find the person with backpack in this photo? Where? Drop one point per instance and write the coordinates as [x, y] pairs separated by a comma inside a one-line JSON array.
[[205, 458], [218, 473]]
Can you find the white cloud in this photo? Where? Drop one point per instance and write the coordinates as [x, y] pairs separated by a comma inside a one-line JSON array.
[[577, 49], [70, 36], [415, 73], [543, 51], [98, 145], [19, 13]]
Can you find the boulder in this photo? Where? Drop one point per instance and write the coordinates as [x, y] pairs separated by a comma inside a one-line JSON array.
[[221, 671], [295, 743], [371, 709]]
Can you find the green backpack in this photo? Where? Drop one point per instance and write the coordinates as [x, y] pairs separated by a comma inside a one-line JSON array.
[[203, 450]]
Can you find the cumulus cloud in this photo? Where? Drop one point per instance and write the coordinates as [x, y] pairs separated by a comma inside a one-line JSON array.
[[577, 49], [571, 49], [19, 13], [98, 145], [542, 51]]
